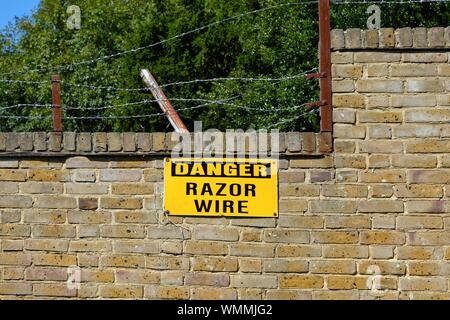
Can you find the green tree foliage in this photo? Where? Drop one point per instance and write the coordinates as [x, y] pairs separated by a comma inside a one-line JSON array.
[[274, 43]]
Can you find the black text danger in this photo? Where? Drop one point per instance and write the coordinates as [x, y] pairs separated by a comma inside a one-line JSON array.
[[228, 190]]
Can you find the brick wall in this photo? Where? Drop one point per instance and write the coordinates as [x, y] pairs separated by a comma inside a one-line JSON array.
[[378, 204]]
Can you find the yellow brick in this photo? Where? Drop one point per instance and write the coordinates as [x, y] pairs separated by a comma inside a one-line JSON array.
[[213, 294], [48, 175], [284, 250], [301, 281], [133, 189], [382, 237], [427, 268], [125, 261], [417, 253], [63, 260], [333, 266], [13, 175], [15, 259], [348, 101], [345, 251], [53, 290], [121, 203], [338, 237], [121, 291], [214, 264]]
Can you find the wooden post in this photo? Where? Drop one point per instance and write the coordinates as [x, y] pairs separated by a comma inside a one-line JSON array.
[[56, 103], [163, 102]]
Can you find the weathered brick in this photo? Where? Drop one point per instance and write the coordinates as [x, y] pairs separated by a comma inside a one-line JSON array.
[[377, 57], [114, 142], [214, 264], [13, 175], [252, 250], [333, 266], [425, 57], [350, 161], [333, 206], [15, 289], [296, 221], [343, 86], [380, 146], [46, 245], [137, 276], [100, 142], [213, 294], [349, 132], [15, 259], [383, 176], [429, 176], [121, 203], [422, 284], [298, 190], [136, 217], [334, 237], [123, 231], [385, 267], [80, 217], [86, 189], [417, 223], [290, 236], [53, 231], [346, 251], [417, 253], [301, 281], [372, 206], [55, 202], [50, 259], [380, 132], [205, 248], [120, 175], [84, 142], [133, 189], [380, 117], [382, 237], [167, 263], [253, 281], [414, 161], [84, 163], [284, 250], [90, 246], [124, 261], [383, 222], [121, 291], [418, 191], [379, 86], [207, 279], [348, 101], [216, 233], [347, 222], [434, 116], [15, 202], [322, 162], [424, 85], [403, 37]]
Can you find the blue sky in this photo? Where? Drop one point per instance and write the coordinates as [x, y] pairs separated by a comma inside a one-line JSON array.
[[12, 8]]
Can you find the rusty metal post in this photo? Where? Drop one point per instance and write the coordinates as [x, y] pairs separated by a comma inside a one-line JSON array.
[[56, 103], [326, 96], [163, 102]]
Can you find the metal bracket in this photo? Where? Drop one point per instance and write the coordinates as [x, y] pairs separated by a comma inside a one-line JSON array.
[[318, 75], [315, 105]]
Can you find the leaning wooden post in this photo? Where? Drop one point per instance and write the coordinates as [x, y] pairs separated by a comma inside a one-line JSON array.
[[163, 102], [56, 103]]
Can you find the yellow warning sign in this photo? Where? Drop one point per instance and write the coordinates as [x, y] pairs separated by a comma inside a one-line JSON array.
[[221, 187]]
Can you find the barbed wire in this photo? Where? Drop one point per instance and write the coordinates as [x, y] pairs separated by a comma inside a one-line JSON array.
[[24, 105], [292, 119], [212, 102], [111, 88], [178, 36], [386, 1]]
